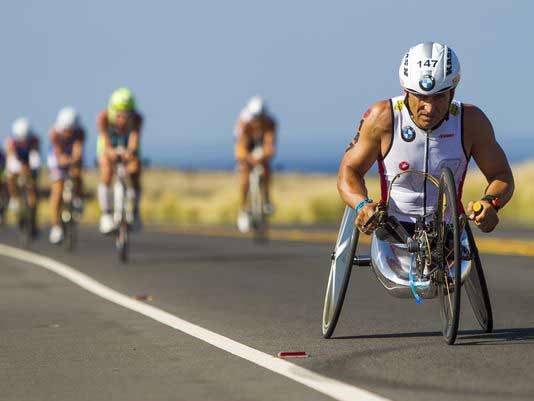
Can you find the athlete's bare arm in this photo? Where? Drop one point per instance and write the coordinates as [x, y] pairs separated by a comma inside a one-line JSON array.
[[102, 124], [480, 142], [242, 143], [77, 148], [61, 158], [135, 135], [370, 143], [269, 140]]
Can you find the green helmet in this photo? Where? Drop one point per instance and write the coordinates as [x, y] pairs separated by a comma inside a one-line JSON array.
[[122, 99]]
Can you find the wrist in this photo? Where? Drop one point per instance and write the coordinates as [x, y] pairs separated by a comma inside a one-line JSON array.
[[494, 201], [362, 204]]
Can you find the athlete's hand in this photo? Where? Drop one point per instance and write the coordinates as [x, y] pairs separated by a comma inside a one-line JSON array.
[[64, 160], [364, 214], [487, 219], [252, 160]]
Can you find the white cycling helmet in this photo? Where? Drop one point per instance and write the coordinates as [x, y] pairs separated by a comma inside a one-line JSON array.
[[21, 128], [67, 118], [256, 106], [429, 68]]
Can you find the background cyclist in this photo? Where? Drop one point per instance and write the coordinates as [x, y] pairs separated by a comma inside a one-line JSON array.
[[256, 136], [67, 137], [119, 126], [23, 159]]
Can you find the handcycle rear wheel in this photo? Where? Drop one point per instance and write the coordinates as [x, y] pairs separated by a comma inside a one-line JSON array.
[[448, 230], [477, 289], [340, 271]]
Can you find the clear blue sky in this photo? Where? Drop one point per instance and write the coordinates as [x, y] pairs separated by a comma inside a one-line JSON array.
[[193, 64]]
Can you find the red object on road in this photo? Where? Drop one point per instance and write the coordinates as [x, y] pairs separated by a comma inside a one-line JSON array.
[[298, 354]]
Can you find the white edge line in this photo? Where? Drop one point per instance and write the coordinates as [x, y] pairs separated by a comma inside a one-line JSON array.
[[331, 387]]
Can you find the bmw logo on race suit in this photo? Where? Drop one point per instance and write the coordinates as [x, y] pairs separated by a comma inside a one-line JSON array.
[[427, 83], [408, 134]]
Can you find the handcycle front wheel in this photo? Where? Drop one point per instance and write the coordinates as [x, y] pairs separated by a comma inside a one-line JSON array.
[[340, 271], [448, 233]]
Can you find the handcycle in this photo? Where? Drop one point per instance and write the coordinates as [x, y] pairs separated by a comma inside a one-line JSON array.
[[437, 259]]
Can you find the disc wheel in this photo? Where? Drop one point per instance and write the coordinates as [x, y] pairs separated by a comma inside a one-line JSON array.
[[338, 280], [449, 276], [476, 288]]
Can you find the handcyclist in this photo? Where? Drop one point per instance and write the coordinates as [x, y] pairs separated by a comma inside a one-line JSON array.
[[23, 159], [67, 137], [119, 127], [424, 129], [255, 145]]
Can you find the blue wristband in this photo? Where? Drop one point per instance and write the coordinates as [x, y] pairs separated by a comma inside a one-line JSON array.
[[362, 204]]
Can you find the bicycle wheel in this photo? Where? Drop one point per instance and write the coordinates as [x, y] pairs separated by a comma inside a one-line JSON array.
[[448, 234], [340, 270], [121, 242], [477, 289], [70, 235]]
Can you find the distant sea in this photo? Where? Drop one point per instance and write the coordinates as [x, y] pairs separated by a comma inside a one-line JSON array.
[[518, 149]]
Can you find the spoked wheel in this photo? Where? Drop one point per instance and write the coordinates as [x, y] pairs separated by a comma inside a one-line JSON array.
[[476, 288], [449, 279], [70, 235], [121, 242], [257, 215], [340, 270]]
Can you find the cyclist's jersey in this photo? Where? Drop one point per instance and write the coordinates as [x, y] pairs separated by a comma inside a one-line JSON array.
[[414, 148], [21, 149], [119, 137], [66, 143], [254, 132]]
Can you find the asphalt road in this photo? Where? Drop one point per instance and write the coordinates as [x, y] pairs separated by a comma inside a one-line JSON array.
[[60, 342]]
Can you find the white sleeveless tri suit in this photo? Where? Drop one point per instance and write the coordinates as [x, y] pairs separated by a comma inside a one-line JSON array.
[[417, 149]]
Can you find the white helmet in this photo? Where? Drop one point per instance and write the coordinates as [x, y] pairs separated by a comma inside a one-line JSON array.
[[21, 128], [429, 68], [256, 106], [67, 118]]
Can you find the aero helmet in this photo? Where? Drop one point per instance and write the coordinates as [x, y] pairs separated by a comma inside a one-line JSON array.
[[21, 128], [429, 68], [256, 106], [67, 118]]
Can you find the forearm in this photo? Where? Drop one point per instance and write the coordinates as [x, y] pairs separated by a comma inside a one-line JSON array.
[[77, 152], [351, 186]]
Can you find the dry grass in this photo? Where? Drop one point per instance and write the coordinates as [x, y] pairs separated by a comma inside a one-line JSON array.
[[180, 197]]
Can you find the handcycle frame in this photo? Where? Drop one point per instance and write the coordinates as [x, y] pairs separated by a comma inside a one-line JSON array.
[[465, 267]]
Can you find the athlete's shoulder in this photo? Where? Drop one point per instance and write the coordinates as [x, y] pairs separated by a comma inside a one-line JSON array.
[[476, 124], [102, 120], [53, 135], [380, 114], [137, 119], [270, 121], [79, 134]]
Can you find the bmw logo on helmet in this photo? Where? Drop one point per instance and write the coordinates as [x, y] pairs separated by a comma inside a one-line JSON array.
[[408, 134], [427, 83]]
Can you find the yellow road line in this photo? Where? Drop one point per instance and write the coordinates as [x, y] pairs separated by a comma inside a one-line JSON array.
[[494, 246]]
